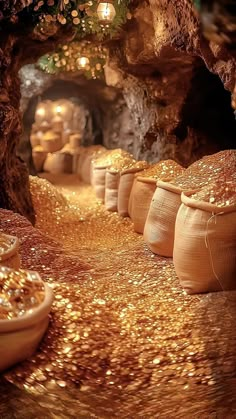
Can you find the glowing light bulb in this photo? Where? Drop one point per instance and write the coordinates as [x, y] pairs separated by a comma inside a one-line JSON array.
[[106, 12], [58, 109], [40, 112], [82, 62]]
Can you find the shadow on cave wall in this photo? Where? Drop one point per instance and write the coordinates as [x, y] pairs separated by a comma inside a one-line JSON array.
[[207, 111]]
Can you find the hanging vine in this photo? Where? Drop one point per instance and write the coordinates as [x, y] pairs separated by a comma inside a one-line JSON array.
[[80, 15]]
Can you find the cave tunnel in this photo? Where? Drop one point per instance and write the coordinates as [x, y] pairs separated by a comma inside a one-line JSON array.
[[118, 209]]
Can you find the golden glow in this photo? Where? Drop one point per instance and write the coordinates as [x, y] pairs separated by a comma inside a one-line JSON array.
[[58, 109], [82, 62], [40, 112], [106, 12]]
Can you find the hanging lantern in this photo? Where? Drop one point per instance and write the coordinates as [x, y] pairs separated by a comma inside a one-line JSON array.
[[106, 12], [82, 62]]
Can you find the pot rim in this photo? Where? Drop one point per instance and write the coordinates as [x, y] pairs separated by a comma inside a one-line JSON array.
[[13, 249], [32, 316]]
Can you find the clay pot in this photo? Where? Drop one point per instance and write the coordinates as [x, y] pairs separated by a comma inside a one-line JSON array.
[[9, 251], [20, 336]]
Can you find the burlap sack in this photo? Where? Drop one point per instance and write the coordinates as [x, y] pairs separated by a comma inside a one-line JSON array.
[[144, 187], [39, 157], [160, 224], [159, 228], [99, 167], [205, 240], [51, 142], [58, 163], [86, 159], [99, 179], [65, 137], [113, 179], [125, 186], [45, 126], [35, 140], [57, 125], [75, 140]]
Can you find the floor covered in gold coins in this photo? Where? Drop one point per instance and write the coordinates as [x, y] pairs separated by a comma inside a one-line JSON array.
[[124, 340]]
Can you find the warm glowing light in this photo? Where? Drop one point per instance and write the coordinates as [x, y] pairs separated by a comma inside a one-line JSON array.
[[106, 12], [82, 62], [40, 112], [58, 109]]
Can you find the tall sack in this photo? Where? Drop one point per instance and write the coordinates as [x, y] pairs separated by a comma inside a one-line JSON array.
[[86, 161], [58, 163], [144, 187], [99, 179], [111, 190], [125, 186], [205, 239], [113, 180], [99, 167], [39, 157], [159, 227]]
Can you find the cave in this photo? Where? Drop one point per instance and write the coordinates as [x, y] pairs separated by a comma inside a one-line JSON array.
[[118, 209]]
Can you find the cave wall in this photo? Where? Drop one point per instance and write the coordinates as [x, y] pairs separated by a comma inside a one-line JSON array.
[[177, 85], [171, 76], [108, 118], [19, 45]]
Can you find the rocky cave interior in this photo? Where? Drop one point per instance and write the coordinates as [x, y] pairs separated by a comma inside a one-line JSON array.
[[168, 92]]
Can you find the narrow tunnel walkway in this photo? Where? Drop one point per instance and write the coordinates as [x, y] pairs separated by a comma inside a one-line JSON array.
[[124, 339]]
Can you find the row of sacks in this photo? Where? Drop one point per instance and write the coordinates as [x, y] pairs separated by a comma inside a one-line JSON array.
[[54, 149], [25, 304], [193, 219], [188, 214]]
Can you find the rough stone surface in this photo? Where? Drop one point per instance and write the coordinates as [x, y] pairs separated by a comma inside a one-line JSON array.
[[172, 82], [108, 118], [172, 79], [18, 46]]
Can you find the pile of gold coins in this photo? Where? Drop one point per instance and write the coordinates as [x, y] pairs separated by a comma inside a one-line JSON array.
[[162, 170], [219, 193], [206, 170], [20, 292]]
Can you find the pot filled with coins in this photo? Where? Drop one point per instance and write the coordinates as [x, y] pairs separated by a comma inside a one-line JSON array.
[[25, 303]]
